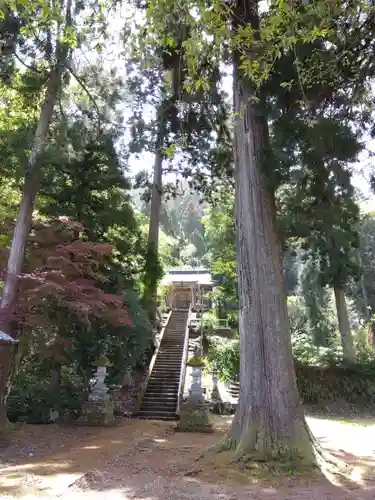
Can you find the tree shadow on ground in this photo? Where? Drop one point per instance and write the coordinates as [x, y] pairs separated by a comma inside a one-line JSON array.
[[146, 460]]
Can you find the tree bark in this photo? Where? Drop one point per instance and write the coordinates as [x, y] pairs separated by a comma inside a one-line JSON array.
[[368, 312], [344, 325], [269, 421], [55, 383], [153, 230], [21, 233]]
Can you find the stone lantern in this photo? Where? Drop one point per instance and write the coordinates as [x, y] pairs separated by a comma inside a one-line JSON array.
[[194, 413], [6, 339], [99, 409], [215, 393], [99, 392], [196, 391]]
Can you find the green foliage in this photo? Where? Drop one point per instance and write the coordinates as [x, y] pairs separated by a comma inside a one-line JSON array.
[[225, 356], [363, 291], [210, 321], [317, 385], [321, 386], [128, 348], [30, 398], [219, 226]]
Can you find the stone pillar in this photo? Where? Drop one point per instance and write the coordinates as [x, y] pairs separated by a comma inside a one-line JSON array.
[[194, 413], [215, 394], [99, 409], [196, 390]]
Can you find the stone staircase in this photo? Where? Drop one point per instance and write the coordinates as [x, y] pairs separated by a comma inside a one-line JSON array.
[[234, 390], [160, 399]]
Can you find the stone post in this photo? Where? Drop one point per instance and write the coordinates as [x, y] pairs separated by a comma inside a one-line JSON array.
[[99, 409], [215, 394], [196, 390], [194, 413]]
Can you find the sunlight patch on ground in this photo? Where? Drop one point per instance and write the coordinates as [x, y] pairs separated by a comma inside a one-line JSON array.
[[356, 439]]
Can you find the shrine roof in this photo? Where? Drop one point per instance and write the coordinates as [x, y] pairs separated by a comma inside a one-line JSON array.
[[198, 275]]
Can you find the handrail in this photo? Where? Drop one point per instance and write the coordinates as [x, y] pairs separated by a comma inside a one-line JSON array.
[[142, 391], [183, 365]]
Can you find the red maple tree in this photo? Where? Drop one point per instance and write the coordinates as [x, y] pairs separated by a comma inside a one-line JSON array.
[[63, 273]]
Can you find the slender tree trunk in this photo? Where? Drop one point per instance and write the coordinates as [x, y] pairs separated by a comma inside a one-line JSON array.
[[21, 233], [269, 421], [344, 325], [368, 312], [153, 231], [55, 383]]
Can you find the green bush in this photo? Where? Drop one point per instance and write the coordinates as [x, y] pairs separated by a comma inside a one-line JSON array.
[[30, 398], [317, 385], [210, 321], [355, 385], [225, 355]]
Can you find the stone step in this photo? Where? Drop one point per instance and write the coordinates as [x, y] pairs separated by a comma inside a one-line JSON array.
[[163, 383], [162, 390], [166, 418], [157, 415], [167, 366], [172, 356], [169, 357], [161, 397], [164, 371], [176, 364], [172, 361], [158, 405], [171, 352], [164, 378], [171, 344]]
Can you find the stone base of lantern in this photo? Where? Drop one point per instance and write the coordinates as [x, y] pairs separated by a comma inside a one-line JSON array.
[[194, 417], [97, 413]]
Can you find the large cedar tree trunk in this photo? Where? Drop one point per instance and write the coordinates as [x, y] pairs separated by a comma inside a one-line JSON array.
[[344, 325], [269, 420], [21, 233]]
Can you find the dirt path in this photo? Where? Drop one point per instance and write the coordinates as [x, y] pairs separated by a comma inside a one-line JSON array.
[[142, 460]]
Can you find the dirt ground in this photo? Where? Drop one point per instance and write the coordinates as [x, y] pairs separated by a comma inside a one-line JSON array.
[[143, 460]]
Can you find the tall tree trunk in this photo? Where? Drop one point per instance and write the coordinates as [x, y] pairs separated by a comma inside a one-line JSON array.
[[55, 383], [344, 325], [368, 312], [269, 421], [21, 233], [153, 231]]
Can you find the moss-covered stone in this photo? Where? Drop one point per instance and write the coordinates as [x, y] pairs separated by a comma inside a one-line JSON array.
[[194, 418], [102, 361], [196, 362], [97, 413]]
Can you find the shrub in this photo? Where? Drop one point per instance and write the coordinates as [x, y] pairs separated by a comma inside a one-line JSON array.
[[225, 355], [210, 321], [317, 385], [30, 398]]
